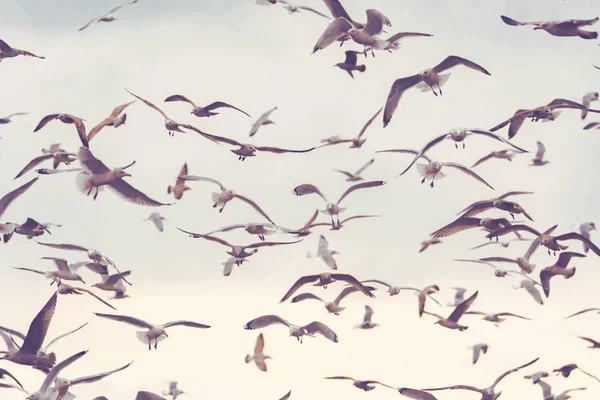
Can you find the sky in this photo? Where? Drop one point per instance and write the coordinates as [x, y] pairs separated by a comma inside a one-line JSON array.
[[257, 58]]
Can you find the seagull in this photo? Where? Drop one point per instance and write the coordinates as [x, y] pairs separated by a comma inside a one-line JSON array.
[[583, 312], [366, 322], [459, 296], [530, 285], [324, 279], [231, 261], [294, 330], [546, 239], [29, 354], [587, 100], [506, 154], [203, 111], [30, 228], [157, 220], [464, 223], [245, 149], [66, 119], [364, 385], [170, 125], [258, 356], [416, 394], [585, 229], [331, 306], [62, 386], [256, 228], [498, 272], [425, 244], [63, 288], [7, 119], [500, 203], [54, 148], [503, 244], [477, 350], [566, 370], [333, 209], [108, 17], [153, 332], [592, 125], [545, 113], [262, 120], [97, 175], [392, 42], [335, 31], [357, 142], [559, 268], [66, 271], [325, 254], [459, 135], [538, 161], [496, 318], [421, 293], [452, 321], [45, 392], [433, 169], [350, 63], [221, 199], [570, 27], [237, 251], [426, 80], [6, 51], [594, 344], [57, 158], [547, 392], [355, 177], [114, 283], [535, 378], [92, 254], [115, 119], [173, 390], [488, 393], [179, 188]]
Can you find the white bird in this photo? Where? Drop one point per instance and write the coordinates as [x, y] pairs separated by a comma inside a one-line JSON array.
[[585, 230], [535, 377], [325, 254], [547, 392], [170, 124], [422, 294], [452, 321], [364, 385], [62, 386], [331, 306], [115, 119], [477, 350], [66, 271], [258, 356], [354, 177], [292, 8], [173, 390], [538, 161], [157, 220], [587, 100], [56, 157], [570, 27], [179, 188], [257, 228], [231, 261], [296, 331], [416, 394], [108, 17], [152, 332], [114, 283], [496, 318], [459, 296], [558, 268], [366, 322], [262, 120], [530, 285]]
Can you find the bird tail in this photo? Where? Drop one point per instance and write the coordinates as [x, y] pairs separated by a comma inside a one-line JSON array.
[[68, 396], [588, 34], [248, 358], [362, 68], [569, 272], [83, 182], [142, 337], [422, 169], [45, 362], [215, 197], [444, 78]]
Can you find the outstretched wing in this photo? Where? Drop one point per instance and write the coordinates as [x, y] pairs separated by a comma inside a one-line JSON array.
[[467, 171], [363, 185], [127, 320], [11, 196], [298, 284], [97, 377], [39, 327], [397, 90], [452, 61]]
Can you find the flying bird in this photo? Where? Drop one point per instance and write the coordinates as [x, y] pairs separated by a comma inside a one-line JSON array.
[[506, 154], [499, 203], [331, 306], [62, 386], [292, 9], [114, 283], [66, 119], [594, 343], [256, 228], [63, 288], [459, 296], [174, 391], [325, 254], [548, 395], [6, 51], [350, 63], [296, 331], [477, 350], [7, 119], [262, 120], [583, 312], [258, 356], [537, 376], [452, 321], [357, 142], [416, 394], [570, 27], [366, 322], [57, 158], [206, 111], [566, 370], [464, 223], [157, 220], [426, 80], [152, 332], [530, 286], [364, 385], [433, 169], [592, 125], [179, 188], [108, 17], [115, 119], [66, 271], [170, 124], [355, 177], [496, 318], [431, 241], [325, 279], [30, 228], [559, 268]]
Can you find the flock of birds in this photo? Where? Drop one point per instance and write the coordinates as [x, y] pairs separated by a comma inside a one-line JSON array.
[[92, 176]]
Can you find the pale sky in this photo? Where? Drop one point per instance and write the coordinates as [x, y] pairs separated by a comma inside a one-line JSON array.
[[260, 57]]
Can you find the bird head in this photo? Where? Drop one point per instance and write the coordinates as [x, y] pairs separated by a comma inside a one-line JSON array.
[[121, 174], [163, 333], [80, 279]]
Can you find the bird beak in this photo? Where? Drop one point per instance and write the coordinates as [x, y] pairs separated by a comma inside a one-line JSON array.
[[82, 281], [127, 174], [165, 334]]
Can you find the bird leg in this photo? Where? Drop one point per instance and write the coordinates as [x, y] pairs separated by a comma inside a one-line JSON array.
[[440, 89], [261, 237], [155, 344], [149, 346], [423, 180], [512, 215], [432, 179], [97, 189], [463, 144], [456, 145]]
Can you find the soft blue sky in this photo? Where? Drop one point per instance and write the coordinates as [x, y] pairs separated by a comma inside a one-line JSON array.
[[257, 58]]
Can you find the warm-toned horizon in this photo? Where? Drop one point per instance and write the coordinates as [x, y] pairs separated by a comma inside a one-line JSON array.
[[257, 58]]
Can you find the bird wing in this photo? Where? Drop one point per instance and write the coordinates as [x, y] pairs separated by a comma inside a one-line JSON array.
[[259, 122], [499, 138], [11, 196], [39, 327], [462, 308], [592, 125], [394, 38], [513, 22], [416, 394], [363, 185], [498, 259], [57, 370], [336, 9], [298, 284], [306, 296], [113, 279], [64, 246], [510, 371], [588, 374], [361, 169], [375, 22], [546, 389], [314, 11], [421, 153], [456, 387], [207, 237], [347, 290], [264, 321], [467, 171], [347, 378], [512, 228], [279, 150], [565, 257], [119, 109], [260, 344], [357, 217], [579, 312], [255, 206], [10, 345], [348, 174], [321, 328], [64, 335], [44, 121], [127, 320], [143, 395], [515, 122], [179, 97], [396, 91], [581, 238], [583, 22], [61, 263], [483, 159], [477, 208], [458, 225], [541, 149], [201, 179], [131, 194], [286, 396], [146, 102], [369, 122], [220, 104], [5, 47], [95, 296], [452, 61], [263, 244], [212, 138], [507, 314], [90, 163], [227, 229], [33, 163], [97, 377], [308, 188], [351, 57], [189, 324]]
